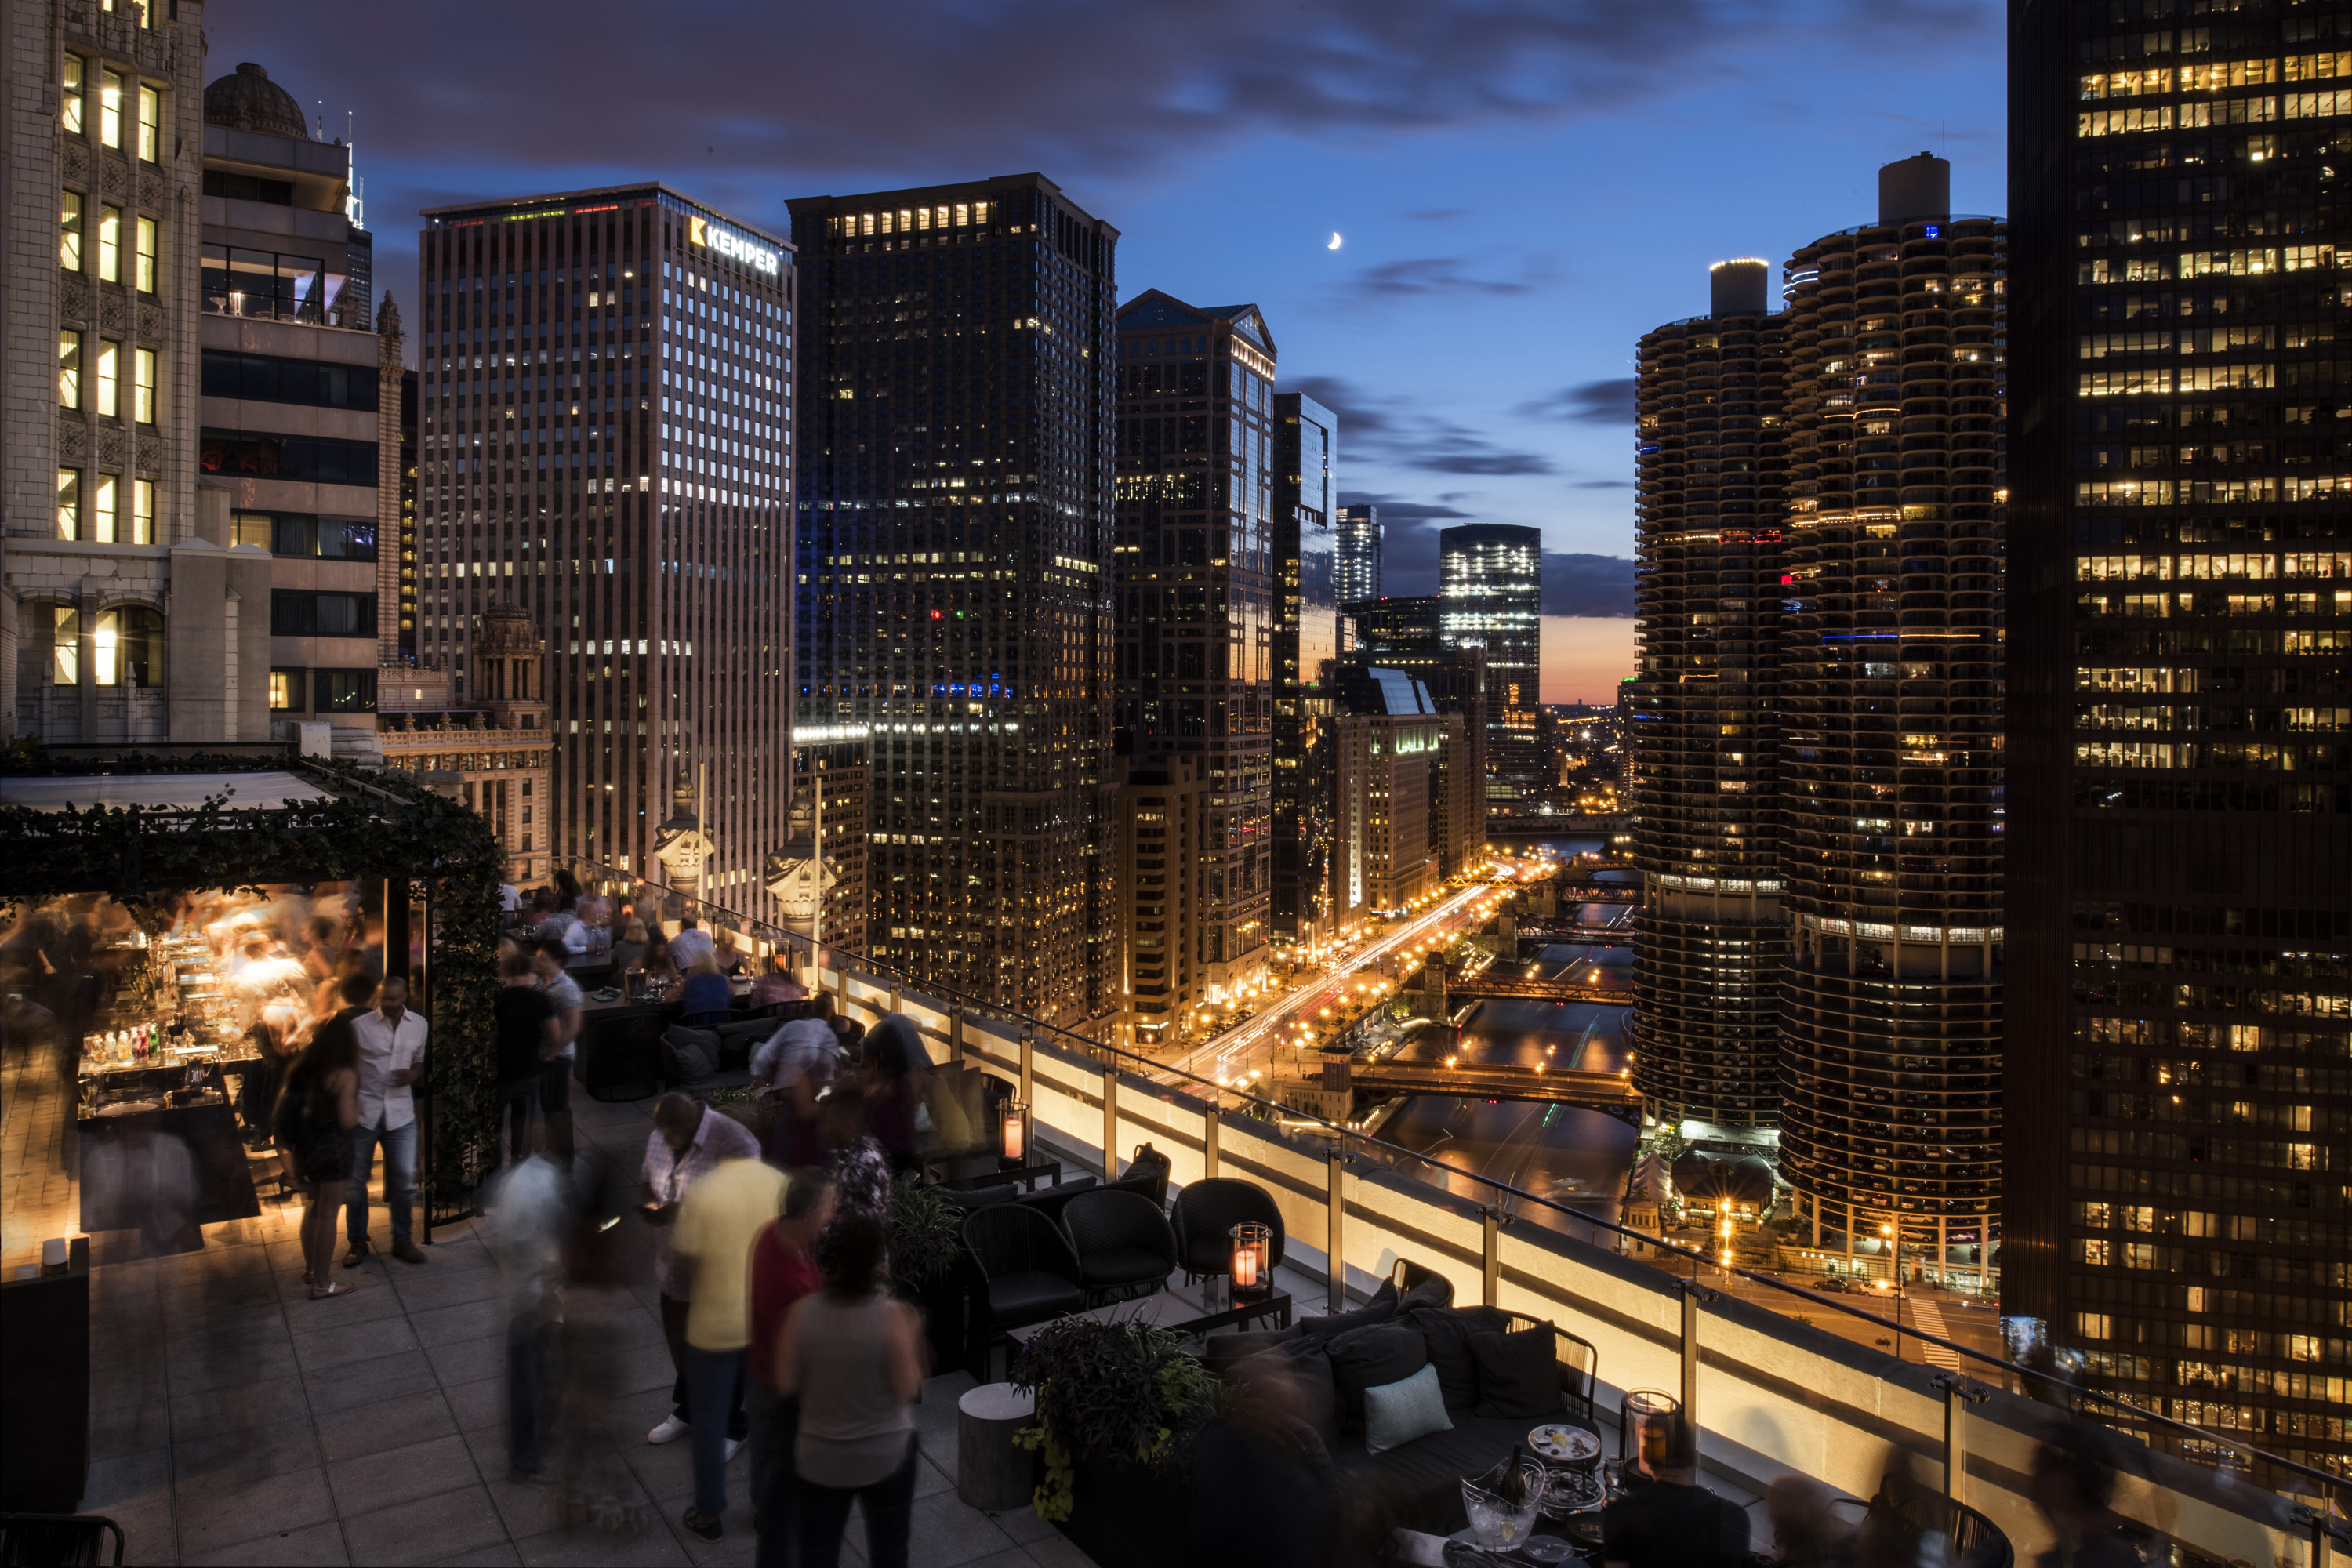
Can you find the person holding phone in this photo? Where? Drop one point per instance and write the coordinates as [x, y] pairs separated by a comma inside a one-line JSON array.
[[688, 1142]]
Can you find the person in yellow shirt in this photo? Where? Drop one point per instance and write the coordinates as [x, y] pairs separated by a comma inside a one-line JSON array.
[[717, 1221]]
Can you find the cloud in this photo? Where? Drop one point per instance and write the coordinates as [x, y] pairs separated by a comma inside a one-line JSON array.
[[1426, 277], [1587, 584], [1396, 509], [1438, 215], [1586, 403], [1603, 485], [1374, 429]]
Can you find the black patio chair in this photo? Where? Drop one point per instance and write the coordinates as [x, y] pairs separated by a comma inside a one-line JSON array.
[[1028, 1273], [1915, 1513], [619, 1057], [1051, 1201], [1125, 1247], [72, 1539], [1206, 1212]]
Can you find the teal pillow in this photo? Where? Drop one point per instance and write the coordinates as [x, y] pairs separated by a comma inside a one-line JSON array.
[[1397, 1413]]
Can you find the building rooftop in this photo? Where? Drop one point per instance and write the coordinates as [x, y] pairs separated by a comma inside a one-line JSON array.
[[247, 99]]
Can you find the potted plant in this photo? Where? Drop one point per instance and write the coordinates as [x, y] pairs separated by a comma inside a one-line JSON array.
[[925, 1256], [1118, 1406]]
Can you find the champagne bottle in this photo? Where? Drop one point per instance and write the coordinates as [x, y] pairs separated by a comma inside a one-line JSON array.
[[1514, 1489]]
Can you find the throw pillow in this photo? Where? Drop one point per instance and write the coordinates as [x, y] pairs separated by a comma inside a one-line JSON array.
[[1372, 1358], [1304, 1362], [1336, 1323], [696, 1051], [1446, 1331], [1436, 1290], [1223, 1352], [1397, 1413], [1518, 1373]]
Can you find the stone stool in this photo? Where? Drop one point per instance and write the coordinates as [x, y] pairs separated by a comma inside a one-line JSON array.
[[993, 1473]]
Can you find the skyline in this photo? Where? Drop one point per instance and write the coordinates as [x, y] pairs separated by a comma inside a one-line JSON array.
[[1415, 332]]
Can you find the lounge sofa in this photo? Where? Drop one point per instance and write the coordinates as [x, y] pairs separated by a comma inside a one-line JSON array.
[[1493, 1383]]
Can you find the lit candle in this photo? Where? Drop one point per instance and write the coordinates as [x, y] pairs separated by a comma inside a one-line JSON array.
[[1245, 1266], [1014, 1143]]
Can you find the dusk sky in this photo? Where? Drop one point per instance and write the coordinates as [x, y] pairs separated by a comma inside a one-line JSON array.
[[1522, 188]]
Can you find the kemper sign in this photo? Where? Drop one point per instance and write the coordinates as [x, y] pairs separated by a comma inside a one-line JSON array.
[[733, 246]]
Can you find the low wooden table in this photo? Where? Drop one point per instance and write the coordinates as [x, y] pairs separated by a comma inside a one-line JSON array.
[[1277, 1303]]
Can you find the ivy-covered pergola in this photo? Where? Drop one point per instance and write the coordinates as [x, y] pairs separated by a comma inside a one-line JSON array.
[[439, 862]]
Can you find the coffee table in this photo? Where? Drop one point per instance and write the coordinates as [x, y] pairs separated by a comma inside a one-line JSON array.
[[969, 1172], [1240, 1315]]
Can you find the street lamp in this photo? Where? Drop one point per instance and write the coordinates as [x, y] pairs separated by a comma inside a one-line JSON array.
[[1895, 1266]]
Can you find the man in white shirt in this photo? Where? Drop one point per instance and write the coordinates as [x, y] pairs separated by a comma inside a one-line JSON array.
[[691, 943], [392, 1057], [555, 1079]]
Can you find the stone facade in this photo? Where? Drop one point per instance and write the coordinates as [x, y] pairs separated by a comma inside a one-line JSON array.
[[139, 578]]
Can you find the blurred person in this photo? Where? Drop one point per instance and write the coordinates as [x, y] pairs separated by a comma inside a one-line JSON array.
[[2074, 1481], [689, 1141], [776, 984], [729, 956], [690, 943], [660, 965], [1806, 1530], [1672, 1522], [798, 1064], [854, 1357], [555, 1083], [1262, 1479], [852, 1154], [391, 1058], [561, 925], [898, 1070], [145, 1179], [848, 1035], [594, 1484], [707, 997], [783, 1269], [510, 899], [528, 1214], [717, 1221], [277, 1036], [525, 1021], [628, 938], [317, 1109]]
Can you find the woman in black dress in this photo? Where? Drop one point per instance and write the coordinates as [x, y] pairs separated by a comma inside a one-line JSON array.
[[316, 1113]]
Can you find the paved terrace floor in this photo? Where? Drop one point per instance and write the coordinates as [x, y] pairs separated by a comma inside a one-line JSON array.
[[236, 1421]]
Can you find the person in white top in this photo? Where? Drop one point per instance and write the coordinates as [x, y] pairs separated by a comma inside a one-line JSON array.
[[392, 1057], [691, 943]]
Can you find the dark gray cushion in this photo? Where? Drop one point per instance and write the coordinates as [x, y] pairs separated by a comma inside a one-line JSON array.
[[1337, 1323], [1518, 1373], [1223, 1351], [1304, 1360], [1372, 1357], [1446, 1331], [1422, 1479], [696, 1052], [1030, 1295], [1434, 1292]]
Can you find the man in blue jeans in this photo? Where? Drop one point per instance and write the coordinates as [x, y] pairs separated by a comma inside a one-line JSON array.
[[392, 1057]]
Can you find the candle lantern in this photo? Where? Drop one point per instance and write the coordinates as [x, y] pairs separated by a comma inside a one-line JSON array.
[[1252, 1272], [1013, 1132]]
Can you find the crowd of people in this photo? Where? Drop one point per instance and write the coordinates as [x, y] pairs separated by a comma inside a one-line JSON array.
[[770, 1254]]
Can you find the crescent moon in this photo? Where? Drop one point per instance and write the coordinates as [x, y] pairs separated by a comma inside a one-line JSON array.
[[1335, 241]]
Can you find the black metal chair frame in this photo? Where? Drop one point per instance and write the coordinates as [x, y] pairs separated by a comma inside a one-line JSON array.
[[987, 1330], [89, 1528], [1098, 1198], [1579, 1359]]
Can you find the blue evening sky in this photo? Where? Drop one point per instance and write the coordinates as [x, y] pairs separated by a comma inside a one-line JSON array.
[[1523, 188]]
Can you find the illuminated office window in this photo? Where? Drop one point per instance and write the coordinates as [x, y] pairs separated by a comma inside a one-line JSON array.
[[65, 645], [68, 503], [143, 511], [143, 385], [70, 231], [102, 502], [68, 369], [110, 377], [146, 256], [110, 107], [69, 109], [109, 244], [151, 120]]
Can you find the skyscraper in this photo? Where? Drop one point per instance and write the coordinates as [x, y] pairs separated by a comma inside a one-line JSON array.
[[1198, 618], [1490, 577], [1306, 640], [1401, 796], [2180, 666], [1890, 757], [606, 399], [953, 581], [123, 588], [302, 402], [1405, 633], [1708, 430], [1358, 561]]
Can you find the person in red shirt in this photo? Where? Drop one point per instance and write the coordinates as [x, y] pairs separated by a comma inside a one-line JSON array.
[[782, 1271]]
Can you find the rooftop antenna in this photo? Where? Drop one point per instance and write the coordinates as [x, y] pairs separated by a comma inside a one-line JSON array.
[[354, 205]]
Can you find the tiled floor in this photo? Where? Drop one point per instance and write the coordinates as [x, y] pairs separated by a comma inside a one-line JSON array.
[[237, 1421]]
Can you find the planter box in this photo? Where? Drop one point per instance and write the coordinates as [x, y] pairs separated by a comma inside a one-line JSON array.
[[1130, 1514]]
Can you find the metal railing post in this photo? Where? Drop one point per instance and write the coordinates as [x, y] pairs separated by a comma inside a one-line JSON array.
[[1111, 1119], [1210, 1126], [1490, 1269], [1691, 1290], [1028, 1068], [1335, 1205], [955, 1035], [1957, 1397], [894, 999]]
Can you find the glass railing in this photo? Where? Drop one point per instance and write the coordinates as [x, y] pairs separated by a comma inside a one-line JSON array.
[[1769, 1393]]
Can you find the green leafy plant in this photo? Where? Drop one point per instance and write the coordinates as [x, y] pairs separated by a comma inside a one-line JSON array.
[[926, 1232], [747, 1103], [1113, 1388]]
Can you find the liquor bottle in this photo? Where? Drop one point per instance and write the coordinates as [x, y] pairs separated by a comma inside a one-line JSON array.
[[1514, 1489]]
